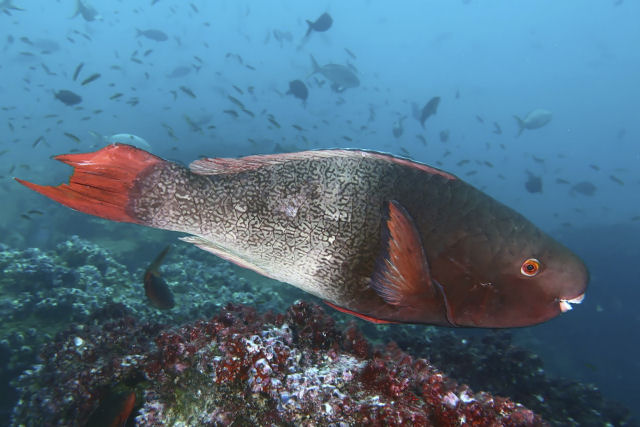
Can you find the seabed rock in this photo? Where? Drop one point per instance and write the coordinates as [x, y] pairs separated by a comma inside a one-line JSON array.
[[243, 367]]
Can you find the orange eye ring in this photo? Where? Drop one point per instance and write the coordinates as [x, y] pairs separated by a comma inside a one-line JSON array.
[[530, 267]]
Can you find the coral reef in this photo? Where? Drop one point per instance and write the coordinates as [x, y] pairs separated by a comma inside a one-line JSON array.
[[42, 293], [249, 368], [493, 362]]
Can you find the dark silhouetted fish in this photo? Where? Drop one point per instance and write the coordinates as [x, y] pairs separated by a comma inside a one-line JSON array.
[[584, 187], [188, 91], [7, 6], [282, 36], [87, 11], [152, 34], [298, 89], [91, 78], [68, 97], [380, 237], [398, 129], [351, 54], [323, 23], [76, 73], [534, 120], [533, 183], [155, 287], [444, 135], [497, 129], [616, 180], [179, 72], [429, 109]]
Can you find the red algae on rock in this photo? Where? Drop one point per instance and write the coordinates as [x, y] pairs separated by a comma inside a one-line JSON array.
[[242, 367]]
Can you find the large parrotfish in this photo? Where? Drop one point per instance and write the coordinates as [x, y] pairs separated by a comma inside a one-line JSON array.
[[380, 237]]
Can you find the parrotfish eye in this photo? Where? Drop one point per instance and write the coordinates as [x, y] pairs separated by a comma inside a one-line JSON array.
[[530, 267]]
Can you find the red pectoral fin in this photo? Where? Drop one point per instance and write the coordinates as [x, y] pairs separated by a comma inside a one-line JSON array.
[[101, 181], [360, 315], [402, 272]]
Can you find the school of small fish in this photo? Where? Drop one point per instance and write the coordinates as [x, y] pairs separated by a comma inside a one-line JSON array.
[[198, 98]]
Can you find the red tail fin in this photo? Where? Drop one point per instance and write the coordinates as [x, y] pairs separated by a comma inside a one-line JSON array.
[[101, 181]]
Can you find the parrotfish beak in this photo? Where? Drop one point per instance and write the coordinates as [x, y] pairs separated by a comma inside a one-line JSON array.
[[565, 304]]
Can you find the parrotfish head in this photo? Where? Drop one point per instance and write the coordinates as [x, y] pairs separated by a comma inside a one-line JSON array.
[[520, 283]]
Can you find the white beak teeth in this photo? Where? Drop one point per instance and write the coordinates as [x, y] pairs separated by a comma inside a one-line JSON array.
[[565, 304], [576, 300]]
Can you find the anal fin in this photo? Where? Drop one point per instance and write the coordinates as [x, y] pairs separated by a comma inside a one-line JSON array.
[[359, 315], [225, 254]]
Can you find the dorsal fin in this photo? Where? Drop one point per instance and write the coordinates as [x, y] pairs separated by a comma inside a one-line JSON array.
[[222, 165], [402, 273]]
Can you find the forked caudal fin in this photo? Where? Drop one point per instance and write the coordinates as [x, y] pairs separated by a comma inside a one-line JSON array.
[[101, 181]]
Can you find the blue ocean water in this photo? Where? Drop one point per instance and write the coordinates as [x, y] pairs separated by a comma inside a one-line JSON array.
[[487, 61]]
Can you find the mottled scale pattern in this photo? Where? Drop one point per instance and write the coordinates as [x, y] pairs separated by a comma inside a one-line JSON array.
[[313, 222]]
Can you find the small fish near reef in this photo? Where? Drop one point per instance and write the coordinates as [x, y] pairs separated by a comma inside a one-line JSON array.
[[155, 287], [377, 236]]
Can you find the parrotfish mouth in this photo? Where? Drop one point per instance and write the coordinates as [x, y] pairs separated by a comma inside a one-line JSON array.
[[565, 304]]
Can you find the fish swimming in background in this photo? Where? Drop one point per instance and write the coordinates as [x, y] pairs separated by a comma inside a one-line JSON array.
[[497, 129], [152, 34], [282, 37], [323, 23], [90, 79], [533, 184], [7, 6], [341, 77], [76, 73], [429, 109], [88, 12], [380, 237], [585, 188], [533, 120], [298, 89], [155, 287], [180, 71], [67, 97], [398, 129]]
